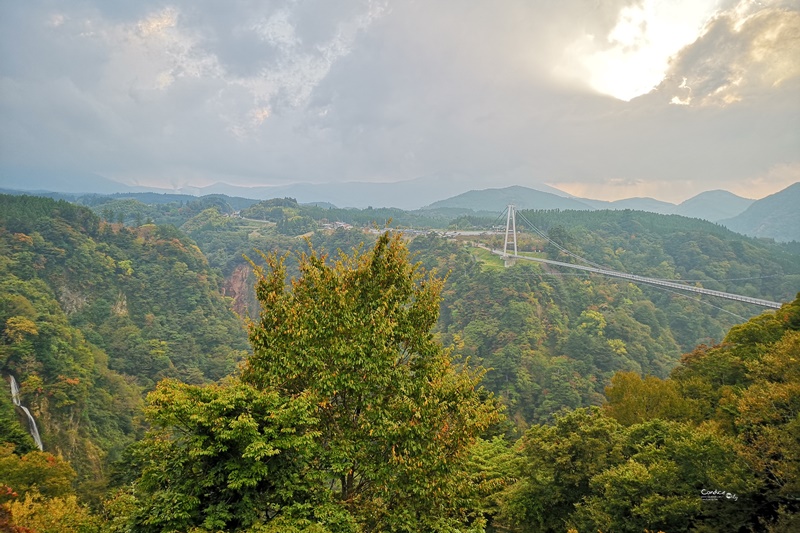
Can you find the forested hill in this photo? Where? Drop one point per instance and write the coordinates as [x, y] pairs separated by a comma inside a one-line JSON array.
[[548, 338], [94, 314], [553, 338], [674, 247], [775, 216], [355, 397]]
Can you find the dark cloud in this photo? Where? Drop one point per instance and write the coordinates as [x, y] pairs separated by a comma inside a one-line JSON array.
[[255, 92]]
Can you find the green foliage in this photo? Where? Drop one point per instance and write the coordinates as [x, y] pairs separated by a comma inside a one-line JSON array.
[[675, 247], [549, 342], [528, 332], [589, 473], [633, 400], [728, 419], [396, 418], [223, 457], [11, 431], [490, 466], [281, 209], [767, 415], [348, 417], [175, 209], [558, 462], [35, 471], [296, 225], [273, 210], [658, 485], [90, 314]]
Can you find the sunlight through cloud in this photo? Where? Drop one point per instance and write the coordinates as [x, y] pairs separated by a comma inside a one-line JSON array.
[[635, 55]]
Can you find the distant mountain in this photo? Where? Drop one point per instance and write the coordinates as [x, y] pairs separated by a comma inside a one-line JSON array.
[[637, 204], [713, 206], [236, 203], [496, 200], [36, 180], [435, 192], [776, 216], [409, 194]]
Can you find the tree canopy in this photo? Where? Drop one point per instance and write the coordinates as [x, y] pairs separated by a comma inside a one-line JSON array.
[[349, 413]]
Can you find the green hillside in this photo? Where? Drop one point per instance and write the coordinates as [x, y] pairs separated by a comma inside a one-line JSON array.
[[496, 200], [675, 247], [714, 447], [554, 338], [713, 206], [94, 314], [777, 216], [358, 372]]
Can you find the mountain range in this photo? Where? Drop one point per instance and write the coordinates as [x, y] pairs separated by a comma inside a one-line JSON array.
[[496, 200], [776, 216], [710, 205], [409, 194]]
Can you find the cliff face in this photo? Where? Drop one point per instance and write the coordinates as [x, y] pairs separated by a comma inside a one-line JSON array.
[[239, 286]]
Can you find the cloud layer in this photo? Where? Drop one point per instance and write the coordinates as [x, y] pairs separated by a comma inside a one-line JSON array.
[[258, 93]]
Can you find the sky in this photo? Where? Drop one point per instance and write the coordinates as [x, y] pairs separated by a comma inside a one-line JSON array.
[[605, 99]]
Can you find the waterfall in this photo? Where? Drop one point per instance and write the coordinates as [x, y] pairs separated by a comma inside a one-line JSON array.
[[31, 422]]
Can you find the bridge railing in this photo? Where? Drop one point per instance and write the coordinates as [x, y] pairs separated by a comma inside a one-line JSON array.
[[649, 281]]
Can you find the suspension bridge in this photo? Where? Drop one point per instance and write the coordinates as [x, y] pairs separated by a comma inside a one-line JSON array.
[[511, 257]]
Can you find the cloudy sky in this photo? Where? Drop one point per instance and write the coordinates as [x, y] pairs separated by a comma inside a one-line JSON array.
[[600, 98]]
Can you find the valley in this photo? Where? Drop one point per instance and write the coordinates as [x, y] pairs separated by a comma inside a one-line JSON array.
[[99, 306]]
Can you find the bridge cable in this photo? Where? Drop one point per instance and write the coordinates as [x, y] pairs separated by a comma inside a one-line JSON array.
[[601, 267], [499, 217], [587, 275], [698, 299], [545, 236], [595, 265]]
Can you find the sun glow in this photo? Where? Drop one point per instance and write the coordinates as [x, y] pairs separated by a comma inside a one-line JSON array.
[[634, 57]]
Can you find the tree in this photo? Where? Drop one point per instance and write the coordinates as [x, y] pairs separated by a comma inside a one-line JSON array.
[[52, 515], [396, 417], [768, 417], [35, 471], [589, 473], [658, 486], [557, 464], [491, 467], [222, 458], [633, 399], [348, 416]]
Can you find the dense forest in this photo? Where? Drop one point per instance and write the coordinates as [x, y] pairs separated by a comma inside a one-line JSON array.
[[94, 314], [390, 383]]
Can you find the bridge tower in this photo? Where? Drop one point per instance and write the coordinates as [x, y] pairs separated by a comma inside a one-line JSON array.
[[511, 235]]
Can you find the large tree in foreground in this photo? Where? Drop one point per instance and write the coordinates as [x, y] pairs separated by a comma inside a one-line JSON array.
[[384, 420], [396, 418]]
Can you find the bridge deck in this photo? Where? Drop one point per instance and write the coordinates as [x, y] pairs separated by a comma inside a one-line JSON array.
[[649, 281]]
